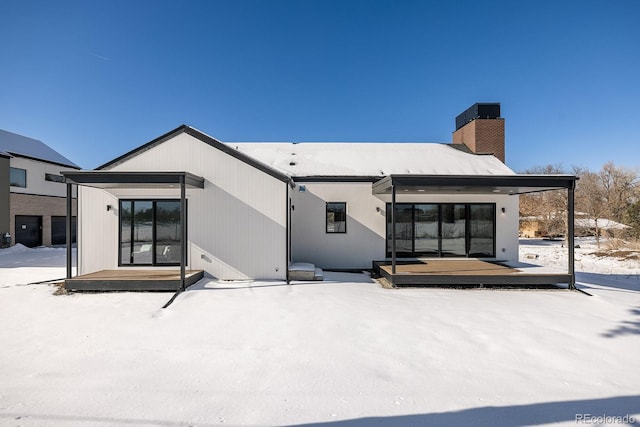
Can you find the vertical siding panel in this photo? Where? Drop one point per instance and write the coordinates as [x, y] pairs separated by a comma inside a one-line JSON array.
[[97, 230], [237, 223]]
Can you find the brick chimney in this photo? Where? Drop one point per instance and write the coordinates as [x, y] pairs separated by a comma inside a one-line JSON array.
[[481, 129]]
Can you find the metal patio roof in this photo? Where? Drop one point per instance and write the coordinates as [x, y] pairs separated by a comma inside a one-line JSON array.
[[473, 184]]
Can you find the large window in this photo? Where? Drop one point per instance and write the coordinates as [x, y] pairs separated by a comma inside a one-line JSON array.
[[150, 232], [336, 217], [18, 177], [443, 230]]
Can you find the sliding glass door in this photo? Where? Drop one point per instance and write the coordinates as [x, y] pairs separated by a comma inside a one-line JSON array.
[[425, 226], [454, 230], [482, 230], [149, 232], [404, 229], [443, 230], [167, 224]]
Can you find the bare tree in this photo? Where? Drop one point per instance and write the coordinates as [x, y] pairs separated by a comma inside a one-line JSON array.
[[619, 186], [590, 199], [608, 193], [613, 193], [632, 219], [548, 208]]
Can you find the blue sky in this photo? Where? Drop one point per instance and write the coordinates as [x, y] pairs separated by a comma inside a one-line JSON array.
[[94, 79]]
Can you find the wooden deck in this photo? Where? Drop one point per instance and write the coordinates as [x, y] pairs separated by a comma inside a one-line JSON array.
[[468, 273], [132, 280]]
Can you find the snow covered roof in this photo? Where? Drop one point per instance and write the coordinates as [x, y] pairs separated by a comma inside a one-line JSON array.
[[19, 145], [343, 159], [603, 223], [370, 159]]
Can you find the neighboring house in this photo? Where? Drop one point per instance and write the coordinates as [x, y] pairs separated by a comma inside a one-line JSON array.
[[553, 226], [588, 226], [249, 210], [32, 191]]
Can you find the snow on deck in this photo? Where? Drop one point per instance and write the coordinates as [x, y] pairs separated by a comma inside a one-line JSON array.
[[370, 159]]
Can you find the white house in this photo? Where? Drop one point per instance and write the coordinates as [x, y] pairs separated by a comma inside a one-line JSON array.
[[252, 210], [32, 191]]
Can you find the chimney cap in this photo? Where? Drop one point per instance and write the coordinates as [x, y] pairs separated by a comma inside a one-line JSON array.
[[479, 110]]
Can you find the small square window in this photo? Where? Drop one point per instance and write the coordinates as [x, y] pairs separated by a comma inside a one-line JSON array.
[[336, 217], [18, 177], [53, 178]]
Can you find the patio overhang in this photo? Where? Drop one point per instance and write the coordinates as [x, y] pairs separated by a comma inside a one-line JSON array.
[[479, 184], [473, 184], [117, 179], [138, 179]]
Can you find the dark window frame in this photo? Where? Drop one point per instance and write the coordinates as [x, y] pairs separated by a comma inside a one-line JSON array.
[[326, 218], [11, 182], [154, 262], [51, 177], [440, 205]]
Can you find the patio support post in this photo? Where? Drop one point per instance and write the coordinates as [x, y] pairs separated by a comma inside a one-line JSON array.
[[571, 234], [288, 234], [183, 231], [393, 229], [68, 224]]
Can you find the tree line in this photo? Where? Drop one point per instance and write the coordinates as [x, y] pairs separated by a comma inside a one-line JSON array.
[[612, 193]]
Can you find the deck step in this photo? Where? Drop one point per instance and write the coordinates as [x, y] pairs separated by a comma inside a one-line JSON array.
[[304, 271]]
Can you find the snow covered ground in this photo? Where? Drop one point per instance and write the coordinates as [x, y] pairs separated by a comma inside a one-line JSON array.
[[340, 352]]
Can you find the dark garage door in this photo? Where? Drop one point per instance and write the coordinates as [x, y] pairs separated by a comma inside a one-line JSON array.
[[29, 230], [59, 230]]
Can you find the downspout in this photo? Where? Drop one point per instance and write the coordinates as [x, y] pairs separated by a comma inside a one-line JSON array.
[[68, 221], [183, 232], [571, 234], [393, 228], [288, 233]]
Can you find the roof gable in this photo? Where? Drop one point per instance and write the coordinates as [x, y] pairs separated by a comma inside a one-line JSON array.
[[201, 136], [30, 148]]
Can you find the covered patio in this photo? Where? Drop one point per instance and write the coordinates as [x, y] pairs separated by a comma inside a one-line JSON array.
[[472, 272], [133, 278]]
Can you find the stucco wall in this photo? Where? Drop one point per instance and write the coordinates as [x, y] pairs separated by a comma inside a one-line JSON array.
[[365, 239]]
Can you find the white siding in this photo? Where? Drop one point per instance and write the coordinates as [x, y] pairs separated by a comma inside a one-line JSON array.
[[97, 231], [236, 224], [364, 240], [36, 184]]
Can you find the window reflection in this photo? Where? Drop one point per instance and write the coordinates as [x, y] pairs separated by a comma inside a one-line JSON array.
[[336, 217], [443, 229], [167, 232], [150, 232]]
